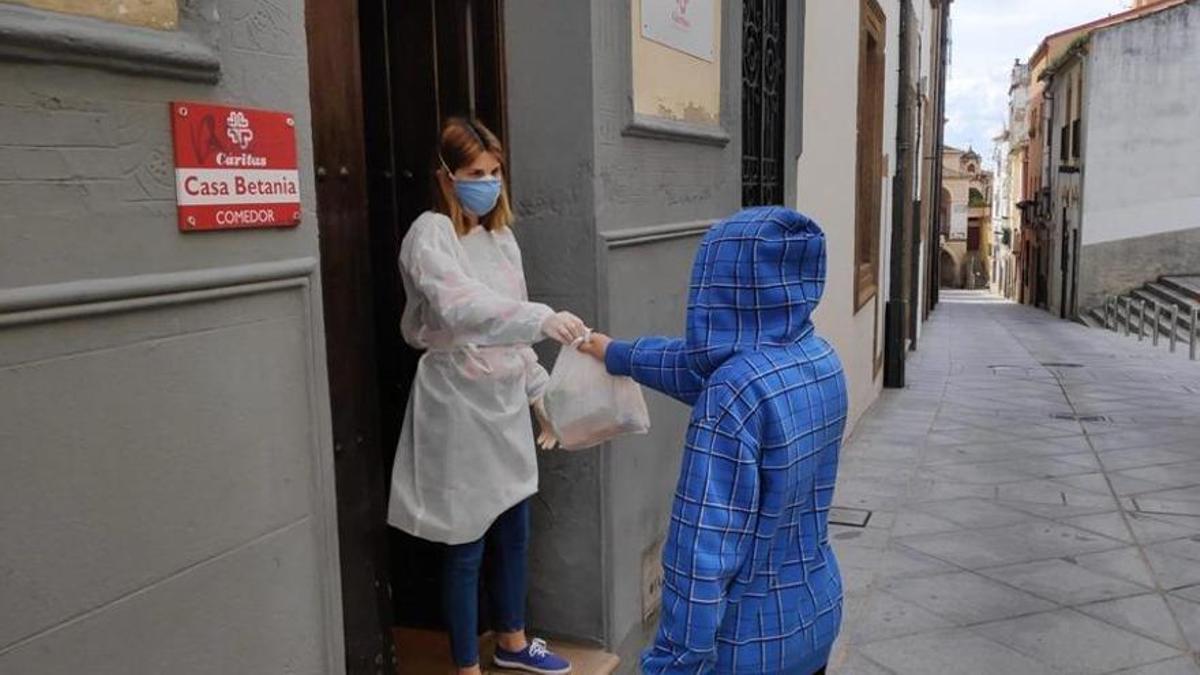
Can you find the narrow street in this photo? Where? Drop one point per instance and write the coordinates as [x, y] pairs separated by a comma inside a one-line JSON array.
[[1035, 499]]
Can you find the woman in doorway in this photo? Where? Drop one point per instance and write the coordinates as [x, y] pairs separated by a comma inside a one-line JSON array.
[[466, 462]]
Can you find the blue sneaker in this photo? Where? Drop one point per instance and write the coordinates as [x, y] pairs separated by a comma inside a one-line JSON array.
[[535, 658]]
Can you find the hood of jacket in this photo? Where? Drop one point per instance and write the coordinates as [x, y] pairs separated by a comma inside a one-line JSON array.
[[755, 282]]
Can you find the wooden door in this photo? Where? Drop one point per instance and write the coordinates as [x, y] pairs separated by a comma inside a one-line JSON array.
[[347, 287]]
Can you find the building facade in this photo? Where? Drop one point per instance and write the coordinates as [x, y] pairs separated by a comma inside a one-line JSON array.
[[1012, 160], [1065, 91], [1054, 87], [198, 427], [1134, 137], [966, 237]]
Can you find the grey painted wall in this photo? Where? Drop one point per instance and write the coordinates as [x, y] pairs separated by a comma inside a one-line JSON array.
[[650, 185], [166, 494], [550, 146]]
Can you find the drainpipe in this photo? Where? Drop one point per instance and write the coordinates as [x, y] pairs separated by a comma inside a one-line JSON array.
[[897, 306], [935, 257], [914, 242]]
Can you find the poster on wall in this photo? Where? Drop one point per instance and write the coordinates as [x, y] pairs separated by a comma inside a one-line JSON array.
[[235, 167], [958, 221], [684, 25]]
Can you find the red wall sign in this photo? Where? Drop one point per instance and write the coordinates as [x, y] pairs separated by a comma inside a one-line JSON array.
[[235, 168]]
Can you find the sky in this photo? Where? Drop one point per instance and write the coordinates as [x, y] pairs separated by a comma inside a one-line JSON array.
[[987, 35]]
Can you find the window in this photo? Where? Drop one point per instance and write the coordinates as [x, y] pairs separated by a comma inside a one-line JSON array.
[[869, 197], [763, 87], [158, 14], [1075, 144], [1064, 143], [973, 237]]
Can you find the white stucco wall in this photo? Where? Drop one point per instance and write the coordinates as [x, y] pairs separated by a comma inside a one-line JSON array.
[[826, 183], [1142, 128]]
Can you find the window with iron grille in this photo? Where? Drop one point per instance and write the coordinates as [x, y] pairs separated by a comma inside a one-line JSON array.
[[764, 53]]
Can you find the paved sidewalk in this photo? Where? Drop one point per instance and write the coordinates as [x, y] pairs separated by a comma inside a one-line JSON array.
[[1008, 537]]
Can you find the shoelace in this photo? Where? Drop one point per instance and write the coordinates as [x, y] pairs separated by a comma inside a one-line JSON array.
[[537, 648]]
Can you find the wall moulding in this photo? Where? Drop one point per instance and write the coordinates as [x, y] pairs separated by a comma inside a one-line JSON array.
[[189, 53], [39, 304], [638, 236]]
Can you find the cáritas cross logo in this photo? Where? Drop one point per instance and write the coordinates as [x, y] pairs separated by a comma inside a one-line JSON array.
[[238, 129]]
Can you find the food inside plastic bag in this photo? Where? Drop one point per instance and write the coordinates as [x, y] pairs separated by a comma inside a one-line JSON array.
[[587, 406]]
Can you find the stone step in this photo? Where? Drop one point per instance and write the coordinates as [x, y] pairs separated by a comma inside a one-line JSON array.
[[1155, 302], [1170, 296], [1092, 319], [427, 652], [1188, 285]]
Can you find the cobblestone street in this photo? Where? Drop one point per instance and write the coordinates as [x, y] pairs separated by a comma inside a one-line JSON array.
[[1035, 499]]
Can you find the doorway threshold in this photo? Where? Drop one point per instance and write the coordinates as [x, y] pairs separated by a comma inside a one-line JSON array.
[[427, 652]]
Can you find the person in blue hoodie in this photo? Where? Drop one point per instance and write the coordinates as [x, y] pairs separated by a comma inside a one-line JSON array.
[[750, 581]]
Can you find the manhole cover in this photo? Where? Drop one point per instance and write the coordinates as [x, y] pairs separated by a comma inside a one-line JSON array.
[[1056, 364], [1079, 418], [840, 515]]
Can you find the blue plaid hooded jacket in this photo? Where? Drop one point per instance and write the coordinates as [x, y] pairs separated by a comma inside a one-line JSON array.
[[750, 582]]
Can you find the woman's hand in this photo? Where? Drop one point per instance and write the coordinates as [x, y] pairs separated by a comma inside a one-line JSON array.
[[596, 345], [546, 439], [565, 327]]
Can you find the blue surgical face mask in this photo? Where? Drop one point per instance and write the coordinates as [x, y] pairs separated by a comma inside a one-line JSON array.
[[478, 195]]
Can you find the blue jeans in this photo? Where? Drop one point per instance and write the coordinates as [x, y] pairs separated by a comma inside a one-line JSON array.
[[507, 541]]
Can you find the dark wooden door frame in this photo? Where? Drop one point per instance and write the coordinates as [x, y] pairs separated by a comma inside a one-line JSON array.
[[347, 283]]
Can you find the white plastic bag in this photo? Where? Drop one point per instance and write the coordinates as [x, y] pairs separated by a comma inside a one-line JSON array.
[[587, 406]]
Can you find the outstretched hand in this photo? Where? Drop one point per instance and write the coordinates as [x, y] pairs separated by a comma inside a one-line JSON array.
[[564, 327], [596, 345]]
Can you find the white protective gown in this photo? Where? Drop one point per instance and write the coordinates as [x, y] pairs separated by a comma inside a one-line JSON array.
[[466, 452]]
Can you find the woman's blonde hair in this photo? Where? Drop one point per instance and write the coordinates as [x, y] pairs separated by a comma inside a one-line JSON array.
[[461, 141]]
